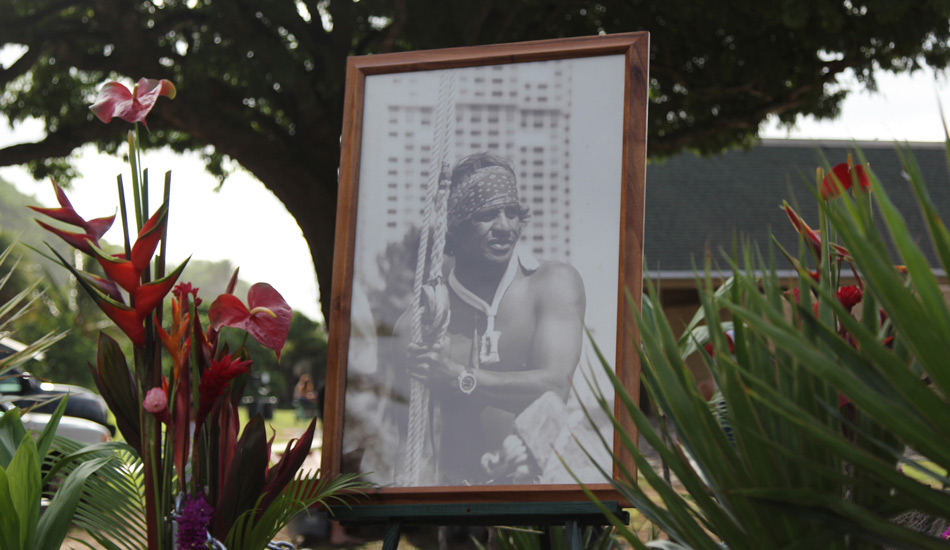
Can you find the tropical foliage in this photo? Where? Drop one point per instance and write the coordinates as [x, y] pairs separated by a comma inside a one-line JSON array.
[[820, 392], [176, 401], [37, 466]]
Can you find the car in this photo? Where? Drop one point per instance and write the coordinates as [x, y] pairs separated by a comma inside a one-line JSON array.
[[79, 430], [26, 391]]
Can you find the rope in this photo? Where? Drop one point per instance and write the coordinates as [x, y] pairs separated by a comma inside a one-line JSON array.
[[435, 223]]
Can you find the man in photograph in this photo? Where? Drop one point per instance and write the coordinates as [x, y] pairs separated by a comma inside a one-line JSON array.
[[514, 336]]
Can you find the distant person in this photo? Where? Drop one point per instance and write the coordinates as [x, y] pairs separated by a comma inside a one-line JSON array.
[[305, 397]]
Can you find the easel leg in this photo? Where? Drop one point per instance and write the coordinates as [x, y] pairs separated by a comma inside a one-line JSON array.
[[393, 532], [572, 533]]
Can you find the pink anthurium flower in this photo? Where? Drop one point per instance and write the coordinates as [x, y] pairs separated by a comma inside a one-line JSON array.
[[93, 230], [842, 177], [115, 100], [266, 316]]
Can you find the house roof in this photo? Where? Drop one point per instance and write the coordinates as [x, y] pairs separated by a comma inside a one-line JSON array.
[[695, 204]]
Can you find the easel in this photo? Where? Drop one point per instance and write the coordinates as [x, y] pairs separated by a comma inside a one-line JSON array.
[[572, 515]]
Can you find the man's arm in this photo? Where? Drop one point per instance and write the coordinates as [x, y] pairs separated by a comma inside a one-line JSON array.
[[557, 296]]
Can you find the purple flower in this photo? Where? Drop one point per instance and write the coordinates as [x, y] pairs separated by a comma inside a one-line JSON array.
[[193, 523], [946, 534]]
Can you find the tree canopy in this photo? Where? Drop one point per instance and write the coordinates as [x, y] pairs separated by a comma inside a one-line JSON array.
[[262, 81]]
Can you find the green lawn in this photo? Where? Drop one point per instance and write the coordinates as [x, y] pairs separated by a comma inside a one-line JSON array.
[[286, 425]]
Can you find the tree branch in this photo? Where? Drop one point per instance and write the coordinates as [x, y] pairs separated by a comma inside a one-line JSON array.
[[57, 144]]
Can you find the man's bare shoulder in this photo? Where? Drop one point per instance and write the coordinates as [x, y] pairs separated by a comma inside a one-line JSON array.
[[555, 276]]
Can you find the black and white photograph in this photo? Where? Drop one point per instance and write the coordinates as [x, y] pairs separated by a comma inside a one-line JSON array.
[[488, 224]]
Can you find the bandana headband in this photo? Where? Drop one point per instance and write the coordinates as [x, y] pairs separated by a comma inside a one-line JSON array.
[[485, 188]]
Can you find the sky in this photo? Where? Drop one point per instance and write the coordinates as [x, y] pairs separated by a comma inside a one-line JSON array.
[[244, 222]]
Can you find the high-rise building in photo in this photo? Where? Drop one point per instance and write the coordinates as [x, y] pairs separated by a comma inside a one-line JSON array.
[[519, 112]]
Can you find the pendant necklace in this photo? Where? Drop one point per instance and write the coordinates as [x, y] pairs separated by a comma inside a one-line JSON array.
[[488, 344]]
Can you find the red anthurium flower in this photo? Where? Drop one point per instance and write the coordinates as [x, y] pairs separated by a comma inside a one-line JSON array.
[[93, 230], [841, 177], [115, 100], [215, 380], [266, 316], [850, 296]]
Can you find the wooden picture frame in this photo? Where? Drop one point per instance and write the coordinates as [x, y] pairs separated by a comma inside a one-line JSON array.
[[569, 116]]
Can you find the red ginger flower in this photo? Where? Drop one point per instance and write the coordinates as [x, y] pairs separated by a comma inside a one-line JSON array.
[[842, 177], [215, 380], [266, 316], [115, 100], [850, 296]]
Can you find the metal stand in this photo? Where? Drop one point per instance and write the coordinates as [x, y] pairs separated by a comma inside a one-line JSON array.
[[572, 515]]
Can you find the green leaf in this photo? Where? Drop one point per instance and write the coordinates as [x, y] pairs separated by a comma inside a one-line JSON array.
[[56, 520], [11, 434], [9, 518], [45, 437], [23, 478]]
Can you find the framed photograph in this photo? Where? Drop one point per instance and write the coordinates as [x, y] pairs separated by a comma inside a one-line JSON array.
[[490, 211]]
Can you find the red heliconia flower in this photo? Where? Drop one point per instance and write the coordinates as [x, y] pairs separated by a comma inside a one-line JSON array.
[[176, 340], [128, 272], [93, 230], [115, 100], [842, 176], [126, 318], [215, 380], [266, 316], [811, 236], [850, 296], [145, 298]]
